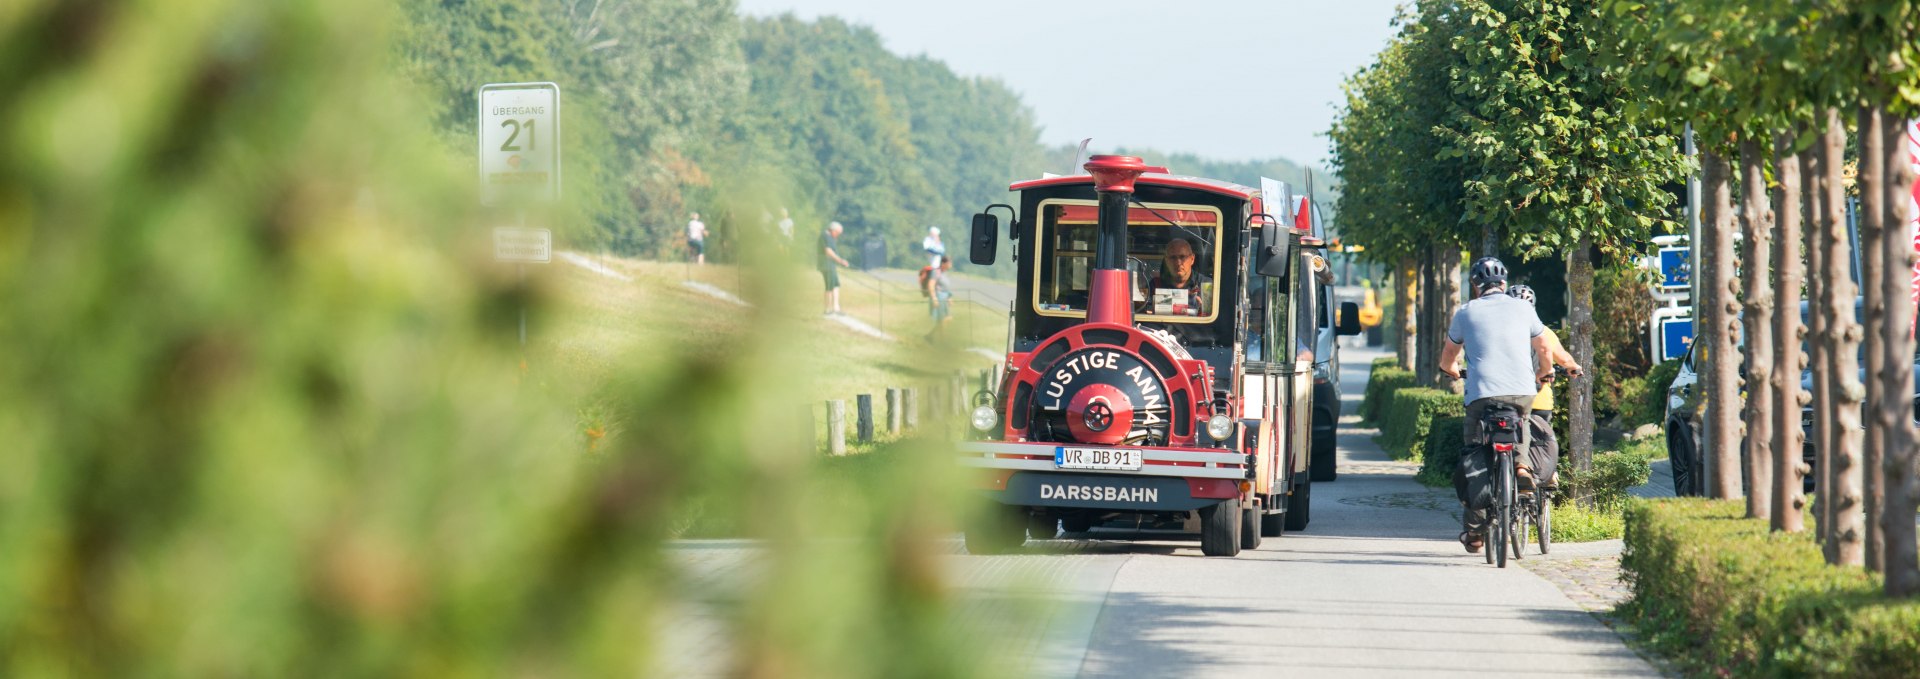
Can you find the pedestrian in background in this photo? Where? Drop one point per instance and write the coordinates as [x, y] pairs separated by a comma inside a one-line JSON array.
[[697, 239], [939, 298], [786, 232], [936, 250], [830, 263]]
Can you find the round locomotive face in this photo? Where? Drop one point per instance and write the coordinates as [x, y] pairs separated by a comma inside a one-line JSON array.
[[1102, 395]]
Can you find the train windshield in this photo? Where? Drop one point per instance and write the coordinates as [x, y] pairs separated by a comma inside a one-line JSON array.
[[1171, 253]]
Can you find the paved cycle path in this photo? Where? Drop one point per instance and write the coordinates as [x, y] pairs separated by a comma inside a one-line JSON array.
[[1376, 586]]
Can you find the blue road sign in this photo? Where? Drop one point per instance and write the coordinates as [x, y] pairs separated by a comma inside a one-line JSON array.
[[1675, 335], [1676, 268]]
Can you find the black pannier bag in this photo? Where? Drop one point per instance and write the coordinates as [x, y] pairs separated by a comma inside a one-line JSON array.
[[1473, 478]]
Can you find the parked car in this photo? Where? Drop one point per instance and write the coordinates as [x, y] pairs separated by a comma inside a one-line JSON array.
[[1683, 422], [1326, 385]]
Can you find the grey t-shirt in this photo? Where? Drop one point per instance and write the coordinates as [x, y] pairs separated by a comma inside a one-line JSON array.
[[1497, 332]]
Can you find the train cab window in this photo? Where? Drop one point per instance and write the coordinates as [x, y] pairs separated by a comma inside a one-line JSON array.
[[1172, 253]]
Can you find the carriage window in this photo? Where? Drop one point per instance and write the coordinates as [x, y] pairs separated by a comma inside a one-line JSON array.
[[1174, 265]]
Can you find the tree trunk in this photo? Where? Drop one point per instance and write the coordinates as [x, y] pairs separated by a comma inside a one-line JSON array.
[[1843, 343], [1901, 477], [1721, 425], [1784, 381], [1757, 327], [1428, 360], [1408, 277], [1872, 221], [1579, 445], [1448, 272], [1813, 193]]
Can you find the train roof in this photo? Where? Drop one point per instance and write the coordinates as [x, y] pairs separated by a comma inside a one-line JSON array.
[[1176, 181]]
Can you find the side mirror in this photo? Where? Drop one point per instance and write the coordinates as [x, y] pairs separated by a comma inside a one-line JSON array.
[[1277, 261], [1349, 319], [986, 239]]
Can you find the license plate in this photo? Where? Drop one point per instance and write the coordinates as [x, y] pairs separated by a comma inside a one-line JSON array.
[[1096, 458]]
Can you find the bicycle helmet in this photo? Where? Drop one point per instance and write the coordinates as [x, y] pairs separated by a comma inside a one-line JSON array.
[[1487, 271], [1521, 292]]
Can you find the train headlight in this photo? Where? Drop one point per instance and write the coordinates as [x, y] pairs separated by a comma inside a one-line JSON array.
[[984, 418], [1220, 426]]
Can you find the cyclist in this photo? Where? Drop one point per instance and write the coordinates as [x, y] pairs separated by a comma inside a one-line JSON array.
[[1500, 336], [1546, 450]]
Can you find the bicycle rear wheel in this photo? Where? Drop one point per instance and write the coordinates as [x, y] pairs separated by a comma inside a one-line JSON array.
[[1522, 517], [1546, 523], [1503, 516]]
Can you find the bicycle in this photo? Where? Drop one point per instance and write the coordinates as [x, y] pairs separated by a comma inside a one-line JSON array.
[[1502, 427], [1534, 509]]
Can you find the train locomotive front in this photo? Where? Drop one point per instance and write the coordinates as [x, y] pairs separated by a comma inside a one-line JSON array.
[[1124, 401]]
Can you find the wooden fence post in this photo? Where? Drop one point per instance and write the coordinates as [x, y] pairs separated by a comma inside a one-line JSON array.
[[910, 406], [837, 427], [959, 383], [893, 410], [864, 404]]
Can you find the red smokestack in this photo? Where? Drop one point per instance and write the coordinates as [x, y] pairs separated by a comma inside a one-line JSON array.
[[1111, 294]]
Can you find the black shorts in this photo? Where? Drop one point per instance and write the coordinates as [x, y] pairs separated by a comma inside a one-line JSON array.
[[697, 247], [832, 275]]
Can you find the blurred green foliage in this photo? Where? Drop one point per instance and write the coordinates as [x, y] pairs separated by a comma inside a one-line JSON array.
[[265, 415]]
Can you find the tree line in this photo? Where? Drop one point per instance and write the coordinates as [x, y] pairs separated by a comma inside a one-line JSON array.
[[1545, 128], [681, 107]]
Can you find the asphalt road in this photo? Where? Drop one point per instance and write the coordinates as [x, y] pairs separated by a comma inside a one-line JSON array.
[[1377, 586]]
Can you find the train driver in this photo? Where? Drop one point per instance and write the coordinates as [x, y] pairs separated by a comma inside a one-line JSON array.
[[1178, 289]]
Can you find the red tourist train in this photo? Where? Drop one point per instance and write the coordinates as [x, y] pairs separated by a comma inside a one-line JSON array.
[[1160, 373]]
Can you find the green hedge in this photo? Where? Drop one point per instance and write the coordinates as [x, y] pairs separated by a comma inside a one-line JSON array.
[[1442, 451], [1722, 596], [1409, 417], [1613, 473], [1381, 383]]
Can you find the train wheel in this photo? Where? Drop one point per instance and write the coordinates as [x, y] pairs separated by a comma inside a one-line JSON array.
[[1300, 507], [1220, 529], [1002, 530], [1076, 524], [1250, 528], [1274, 525]]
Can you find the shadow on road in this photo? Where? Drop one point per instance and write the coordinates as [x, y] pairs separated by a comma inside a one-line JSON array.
[[1305, 635]]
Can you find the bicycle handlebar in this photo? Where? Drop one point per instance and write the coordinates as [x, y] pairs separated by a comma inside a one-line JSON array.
[[1559, 373]]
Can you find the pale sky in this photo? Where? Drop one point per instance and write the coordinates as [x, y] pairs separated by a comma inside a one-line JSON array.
[[1227, 79]]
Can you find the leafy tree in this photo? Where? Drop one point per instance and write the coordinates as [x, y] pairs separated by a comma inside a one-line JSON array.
[[1554, 162], [1406, 218]]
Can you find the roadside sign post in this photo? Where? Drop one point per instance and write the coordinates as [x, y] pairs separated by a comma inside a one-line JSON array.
[[519, 153], [1670, 328], [519, 137]]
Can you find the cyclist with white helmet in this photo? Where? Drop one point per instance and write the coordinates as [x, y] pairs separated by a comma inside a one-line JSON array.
[[1500, 335], [1546, 447]]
